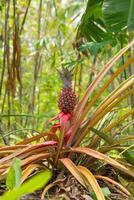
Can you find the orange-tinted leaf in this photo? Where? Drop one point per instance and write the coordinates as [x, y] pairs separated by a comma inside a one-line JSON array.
[[103, 157], [79, 111], [92, 181], [114, 183], [36, 137], [100, 76], [28, 171], [35, 158], [4, 148], [23, 151], [74, 170]]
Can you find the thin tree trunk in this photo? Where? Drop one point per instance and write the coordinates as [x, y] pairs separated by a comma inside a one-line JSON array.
[[59, 34], [8, 82], [38, 57], [25, 16], [20, 30], [37, 61], [6, 63], [7, 8]]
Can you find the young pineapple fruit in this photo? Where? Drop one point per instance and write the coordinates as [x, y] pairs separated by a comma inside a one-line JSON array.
[[67, 97]]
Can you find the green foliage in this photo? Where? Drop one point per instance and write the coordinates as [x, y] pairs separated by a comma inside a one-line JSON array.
[[119, 15], [129, 155], [104, 19], [92, 25], [95, 47], [13, 179], [34, 183], [105, 191]]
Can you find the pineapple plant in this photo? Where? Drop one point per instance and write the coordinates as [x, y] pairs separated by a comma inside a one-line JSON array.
[[67, 97]]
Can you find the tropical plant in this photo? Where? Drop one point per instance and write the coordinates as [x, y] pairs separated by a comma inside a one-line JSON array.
[[107, 20], [84, 132]]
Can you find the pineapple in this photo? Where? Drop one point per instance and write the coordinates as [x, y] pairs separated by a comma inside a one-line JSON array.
[[67, 97]]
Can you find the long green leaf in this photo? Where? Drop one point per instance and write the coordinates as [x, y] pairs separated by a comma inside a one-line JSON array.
[[35, 183], [14, 175], [92, 26]]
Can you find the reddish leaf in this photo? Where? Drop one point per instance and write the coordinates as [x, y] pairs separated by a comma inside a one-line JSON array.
[[65, 125], [50, 143], [67, 135], [65, 121]]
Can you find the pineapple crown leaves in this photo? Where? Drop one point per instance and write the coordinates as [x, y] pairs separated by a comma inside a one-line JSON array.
[[66, 77]]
